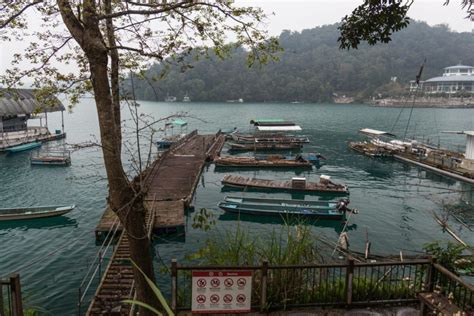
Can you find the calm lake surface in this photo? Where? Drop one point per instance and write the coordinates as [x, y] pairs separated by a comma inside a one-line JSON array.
[[395, 200]]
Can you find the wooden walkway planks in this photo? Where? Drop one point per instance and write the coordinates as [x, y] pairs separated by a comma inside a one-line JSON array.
[[172, 183]]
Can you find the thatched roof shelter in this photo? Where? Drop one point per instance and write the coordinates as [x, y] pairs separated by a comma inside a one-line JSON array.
[[15, 102]]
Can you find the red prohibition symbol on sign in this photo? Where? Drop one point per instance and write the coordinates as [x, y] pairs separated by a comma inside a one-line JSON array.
[[201, 299], [241, 282], [227, 298], [201, 282], [241, 298], [215, 282], [214, 298], [228, 282]]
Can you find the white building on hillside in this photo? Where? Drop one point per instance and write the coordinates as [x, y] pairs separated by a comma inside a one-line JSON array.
[[455, 79]]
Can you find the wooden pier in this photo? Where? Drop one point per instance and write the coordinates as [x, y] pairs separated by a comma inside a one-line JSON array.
[[171, 183]]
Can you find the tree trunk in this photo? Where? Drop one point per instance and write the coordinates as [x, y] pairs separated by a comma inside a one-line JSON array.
[[114, 73], [123, 200]]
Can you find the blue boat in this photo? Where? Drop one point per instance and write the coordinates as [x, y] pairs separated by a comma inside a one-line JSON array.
[[333, 210], [23, 147]]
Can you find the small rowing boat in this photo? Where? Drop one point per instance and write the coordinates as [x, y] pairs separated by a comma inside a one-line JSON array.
[[269, 162], [9, 214], [24, 147], [334, 210], [325, 185]]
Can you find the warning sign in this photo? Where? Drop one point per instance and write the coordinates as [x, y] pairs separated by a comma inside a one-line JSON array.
[[221, 291]]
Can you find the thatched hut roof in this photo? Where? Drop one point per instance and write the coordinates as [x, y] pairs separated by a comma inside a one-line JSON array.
[[25, 101]]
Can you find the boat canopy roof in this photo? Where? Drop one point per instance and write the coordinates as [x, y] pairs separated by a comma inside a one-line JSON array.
[[27, 101], [286, 128], [374, 132], [179, 122]]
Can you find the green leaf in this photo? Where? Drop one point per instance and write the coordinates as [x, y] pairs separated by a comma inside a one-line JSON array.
[[156, 290], [135, 302]]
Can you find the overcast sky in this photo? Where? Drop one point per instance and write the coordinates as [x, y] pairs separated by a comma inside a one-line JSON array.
[[302, 14], [297, 15]]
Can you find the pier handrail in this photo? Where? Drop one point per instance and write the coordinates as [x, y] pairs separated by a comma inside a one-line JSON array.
[[88, 277]]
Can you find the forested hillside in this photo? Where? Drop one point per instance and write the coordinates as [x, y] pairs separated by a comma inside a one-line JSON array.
[[312, 68]]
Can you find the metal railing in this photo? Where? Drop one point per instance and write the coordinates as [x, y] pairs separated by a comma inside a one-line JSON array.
[[94, 272], [10, 296], [453, 287], [351, 283]]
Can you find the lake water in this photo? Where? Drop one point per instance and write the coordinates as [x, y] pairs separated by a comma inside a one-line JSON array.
[[395, 200]]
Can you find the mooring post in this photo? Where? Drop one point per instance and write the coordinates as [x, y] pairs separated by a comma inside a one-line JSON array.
[[16, 295], [174, 285], [349, 279], [263, 289]]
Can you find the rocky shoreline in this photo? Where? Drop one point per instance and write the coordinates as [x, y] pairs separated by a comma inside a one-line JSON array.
[[424, 102]]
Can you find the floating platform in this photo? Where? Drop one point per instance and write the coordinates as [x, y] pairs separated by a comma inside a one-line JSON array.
[[466, 176], [295, 184]]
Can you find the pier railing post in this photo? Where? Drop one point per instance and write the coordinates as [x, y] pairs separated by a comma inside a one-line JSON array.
[[349, 279], [16, 295], [263, 287], [174, 285], [430, 275]]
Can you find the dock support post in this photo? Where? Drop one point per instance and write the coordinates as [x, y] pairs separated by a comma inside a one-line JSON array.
[[349, 279], [263, 289], [174, 285], [16, 295], [62, 120]]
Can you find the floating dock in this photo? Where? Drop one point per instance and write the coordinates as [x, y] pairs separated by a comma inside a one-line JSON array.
[[171, 182]]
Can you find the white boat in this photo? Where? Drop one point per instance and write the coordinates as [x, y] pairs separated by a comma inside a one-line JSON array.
[[170, 98], [186, 98], [10, 214]]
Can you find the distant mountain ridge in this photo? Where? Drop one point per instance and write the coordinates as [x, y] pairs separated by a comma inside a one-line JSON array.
[[313, 69]]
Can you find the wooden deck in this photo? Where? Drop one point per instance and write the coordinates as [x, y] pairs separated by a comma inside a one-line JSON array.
[[171, 184]]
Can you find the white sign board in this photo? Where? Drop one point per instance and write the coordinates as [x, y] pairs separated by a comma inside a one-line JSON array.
[[221, 291]]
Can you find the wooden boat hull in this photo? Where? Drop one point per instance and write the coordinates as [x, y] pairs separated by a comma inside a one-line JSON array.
[[262, 146], [260, 163], [242, 182], [276, 139], [331, 214], [10, 214], [51, 162]]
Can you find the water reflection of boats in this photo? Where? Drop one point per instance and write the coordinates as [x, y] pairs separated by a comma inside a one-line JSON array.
[[272, 220], [49, 223]]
